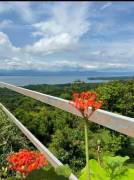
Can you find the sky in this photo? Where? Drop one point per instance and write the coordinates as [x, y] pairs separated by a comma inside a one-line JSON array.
[[67, 36]]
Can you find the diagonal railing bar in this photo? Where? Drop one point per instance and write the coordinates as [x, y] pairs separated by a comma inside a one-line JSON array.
[[49, 156], [107, 119]]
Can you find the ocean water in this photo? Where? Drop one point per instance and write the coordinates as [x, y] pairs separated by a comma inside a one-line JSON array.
[[58, 79]]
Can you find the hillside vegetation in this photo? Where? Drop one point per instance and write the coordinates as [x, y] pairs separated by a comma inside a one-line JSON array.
[[62, 132]]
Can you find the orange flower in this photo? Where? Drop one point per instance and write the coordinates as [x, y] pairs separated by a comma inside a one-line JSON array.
[[26, 161], [84, 100], [98, 104]]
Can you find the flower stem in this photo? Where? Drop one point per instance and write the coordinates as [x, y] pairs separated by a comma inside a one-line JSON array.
[[86, 150], [98, 154]]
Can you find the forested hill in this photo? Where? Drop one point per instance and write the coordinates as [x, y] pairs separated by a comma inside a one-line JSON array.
[[62, 132]]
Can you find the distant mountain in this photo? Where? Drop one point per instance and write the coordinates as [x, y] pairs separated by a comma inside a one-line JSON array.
[[65, 73]]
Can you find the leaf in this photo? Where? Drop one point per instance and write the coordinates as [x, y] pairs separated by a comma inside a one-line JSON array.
[[96, 171], [129, 175], [63, 170], [115, 166], [114, 161]]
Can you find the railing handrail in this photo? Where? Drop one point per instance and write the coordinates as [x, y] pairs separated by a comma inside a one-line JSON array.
[[120, 123], [49, 156]]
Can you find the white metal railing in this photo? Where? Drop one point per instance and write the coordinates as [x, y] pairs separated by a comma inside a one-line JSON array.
[[49, 156], [107, 119]]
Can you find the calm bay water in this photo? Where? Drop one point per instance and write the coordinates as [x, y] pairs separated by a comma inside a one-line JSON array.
[[58, 79]]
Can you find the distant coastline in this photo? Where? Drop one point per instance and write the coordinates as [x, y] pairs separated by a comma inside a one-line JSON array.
[[65, 73], [110, 78], [48, 79], [58, 79], [27, 77]]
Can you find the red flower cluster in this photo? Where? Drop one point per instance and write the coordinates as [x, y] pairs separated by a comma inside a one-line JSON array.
[[84, 100], [26, 161]]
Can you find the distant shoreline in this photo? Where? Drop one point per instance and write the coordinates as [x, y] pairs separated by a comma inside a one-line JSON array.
[[93, 77], [58, 79], [110, 78]]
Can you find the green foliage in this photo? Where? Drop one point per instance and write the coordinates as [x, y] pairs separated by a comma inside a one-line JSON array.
[[38, 120], [11, 139], [96, 171], [68, 146], [112, 168], [118, 96], [3, 172], [110, 142], [63, 170], [45, 174], [62, 132]]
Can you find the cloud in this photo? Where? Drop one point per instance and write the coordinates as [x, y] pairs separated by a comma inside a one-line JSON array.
[[106, 5], [16, 63], [5, 23], [101, 56], [6, 46], [11, 57], [53, 44], [23, 9], [110, 55], [69, 38], [65, 27]]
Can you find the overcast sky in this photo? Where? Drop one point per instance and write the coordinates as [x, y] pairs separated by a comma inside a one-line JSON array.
[[54, 36]]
